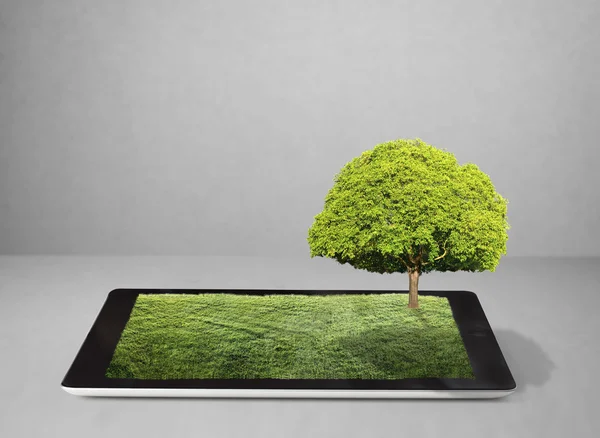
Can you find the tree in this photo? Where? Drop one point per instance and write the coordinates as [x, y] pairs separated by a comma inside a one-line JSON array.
[[406, 206]]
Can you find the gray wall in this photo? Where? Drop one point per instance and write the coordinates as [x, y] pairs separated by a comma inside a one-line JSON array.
[[216, 127]]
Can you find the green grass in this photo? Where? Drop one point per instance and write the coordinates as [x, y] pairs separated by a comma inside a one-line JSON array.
[[226, 336]]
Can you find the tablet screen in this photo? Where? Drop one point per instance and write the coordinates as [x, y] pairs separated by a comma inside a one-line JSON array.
[[289, 336], [240, 342]]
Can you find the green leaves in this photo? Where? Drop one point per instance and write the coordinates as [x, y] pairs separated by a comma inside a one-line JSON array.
[[406, 200]]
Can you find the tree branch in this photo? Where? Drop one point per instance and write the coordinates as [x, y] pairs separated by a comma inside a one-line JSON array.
[[404, 263], [440, 257], [445, 252], [410, 256]]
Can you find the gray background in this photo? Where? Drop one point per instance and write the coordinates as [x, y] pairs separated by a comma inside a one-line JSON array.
[[216, 127]]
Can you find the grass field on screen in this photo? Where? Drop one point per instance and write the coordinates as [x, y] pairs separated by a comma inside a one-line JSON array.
[[227, 336]]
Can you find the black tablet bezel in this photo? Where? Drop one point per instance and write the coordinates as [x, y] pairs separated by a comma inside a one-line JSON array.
[[488, 364]]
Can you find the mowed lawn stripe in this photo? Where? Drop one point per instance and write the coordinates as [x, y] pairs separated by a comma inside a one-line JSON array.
[[227, 336]]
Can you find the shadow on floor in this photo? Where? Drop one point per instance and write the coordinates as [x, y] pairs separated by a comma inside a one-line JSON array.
[[528, 363]]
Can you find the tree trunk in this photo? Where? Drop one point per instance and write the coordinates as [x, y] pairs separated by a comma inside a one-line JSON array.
[[413, 289]]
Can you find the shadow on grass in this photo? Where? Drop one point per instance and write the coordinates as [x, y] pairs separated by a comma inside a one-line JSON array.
[[378, 348], [405, 352]]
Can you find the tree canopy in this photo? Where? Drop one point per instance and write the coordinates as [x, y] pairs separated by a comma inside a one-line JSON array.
[[406, 205]]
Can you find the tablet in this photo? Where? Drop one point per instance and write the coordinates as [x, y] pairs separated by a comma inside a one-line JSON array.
[[289, 343]]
